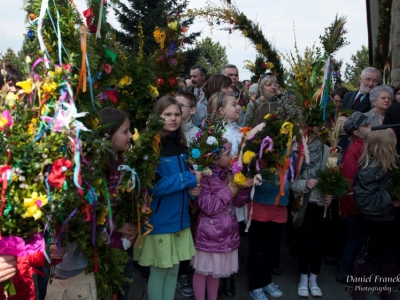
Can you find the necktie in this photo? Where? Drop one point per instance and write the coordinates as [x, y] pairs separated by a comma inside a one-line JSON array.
[[197, 94], [357, 101]]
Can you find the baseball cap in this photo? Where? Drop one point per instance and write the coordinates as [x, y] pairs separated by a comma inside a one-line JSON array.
[[356, 120]]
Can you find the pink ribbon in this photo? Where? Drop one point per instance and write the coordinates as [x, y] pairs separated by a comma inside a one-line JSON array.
[[266, 141]]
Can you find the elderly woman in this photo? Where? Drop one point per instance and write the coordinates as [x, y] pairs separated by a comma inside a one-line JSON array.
[[268, 92], [381, 98]]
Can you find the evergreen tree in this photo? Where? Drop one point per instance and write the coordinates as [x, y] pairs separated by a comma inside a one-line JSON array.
[[360, 61], [152, 14], [212, 56], [12, 58]]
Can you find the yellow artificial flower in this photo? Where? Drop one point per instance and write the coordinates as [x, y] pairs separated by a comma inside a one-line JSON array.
[[49, 87], [26, 85], [173, 25], [126, 80], [267, 116], [33, 205], [258, 46], [153, 91], [136, 136], [239, 179], [248, 156]]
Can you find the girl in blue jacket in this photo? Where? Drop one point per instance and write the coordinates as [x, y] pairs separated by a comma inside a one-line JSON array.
[[170, 241]]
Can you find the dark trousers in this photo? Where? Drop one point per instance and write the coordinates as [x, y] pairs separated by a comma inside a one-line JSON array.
[[263, 240], [334, 229], [311, 239], [128, 272], [351, 243], [378, 238]]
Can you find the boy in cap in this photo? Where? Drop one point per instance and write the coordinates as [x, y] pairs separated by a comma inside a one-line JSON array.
[[357, 127]]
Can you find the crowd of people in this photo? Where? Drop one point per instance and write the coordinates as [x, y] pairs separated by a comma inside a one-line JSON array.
[[198, 219]]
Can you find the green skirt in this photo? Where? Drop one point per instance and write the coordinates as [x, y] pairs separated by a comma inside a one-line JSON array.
[[165, 250]]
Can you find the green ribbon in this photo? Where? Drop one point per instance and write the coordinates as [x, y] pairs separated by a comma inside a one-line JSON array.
[[109, 54]]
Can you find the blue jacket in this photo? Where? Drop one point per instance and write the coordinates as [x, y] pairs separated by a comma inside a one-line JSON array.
[[170, 205]]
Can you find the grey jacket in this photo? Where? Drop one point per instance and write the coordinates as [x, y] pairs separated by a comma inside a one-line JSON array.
[[299, 187], [370, 195]]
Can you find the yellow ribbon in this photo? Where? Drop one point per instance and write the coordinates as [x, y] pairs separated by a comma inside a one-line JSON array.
[[287, 128], [159, 36]]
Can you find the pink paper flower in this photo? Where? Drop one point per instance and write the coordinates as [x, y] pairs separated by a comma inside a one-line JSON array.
[[107, 68], [5, 119], [14, 245], [236, 168]]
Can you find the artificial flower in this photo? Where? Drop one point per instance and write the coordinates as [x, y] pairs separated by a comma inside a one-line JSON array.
[[173, 25], [236, 168], [211, 141], [198, 135], [112, 95], [248, 156], [57, 176], [126, 80], [153, 91], [28, 59], [195, 153], [239, 179], [26, 85], [33, 205], [136, 136], [107, 68], [5, 119]]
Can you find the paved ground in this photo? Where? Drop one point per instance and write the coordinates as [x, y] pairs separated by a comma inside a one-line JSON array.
[[287, 283]]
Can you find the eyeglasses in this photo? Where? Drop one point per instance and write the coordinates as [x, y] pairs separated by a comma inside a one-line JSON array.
[[187, 106]]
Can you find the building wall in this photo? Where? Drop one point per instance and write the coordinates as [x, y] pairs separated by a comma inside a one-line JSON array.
[[394, 46]]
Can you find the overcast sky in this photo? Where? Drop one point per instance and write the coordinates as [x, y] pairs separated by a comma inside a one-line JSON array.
[[276, 18]]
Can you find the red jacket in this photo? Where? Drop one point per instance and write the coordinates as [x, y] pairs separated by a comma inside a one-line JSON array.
[[23, 280], [349, 169]]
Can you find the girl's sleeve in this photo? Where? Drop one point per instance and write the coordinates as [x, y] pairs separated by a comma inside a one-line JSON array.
[[174, 183], [299, 187], [209, 202], [241, 197]]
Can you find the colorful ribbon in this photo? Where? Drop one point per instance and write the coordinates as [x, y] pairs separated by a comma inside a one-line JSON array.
[[134, 177], [257, 181], [266, 141], [287, 128]]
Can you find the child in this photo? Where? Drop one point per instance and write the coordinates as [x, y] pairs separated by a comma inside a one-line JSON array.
[[312, 229], [217, 231], [371, 198], [357, 127], [188, 103], [225, 104], [74, 264], [118, 132], [267, 222], [170, 241]]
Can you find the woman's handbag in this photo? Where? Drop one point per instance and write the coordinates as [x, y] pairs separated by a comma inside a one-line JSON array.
[[81, 286], [299, 209]]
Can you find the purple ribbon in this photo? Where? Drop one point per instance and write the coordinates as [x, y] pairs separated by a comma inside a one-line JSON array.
[[63, 228], [266, 141]]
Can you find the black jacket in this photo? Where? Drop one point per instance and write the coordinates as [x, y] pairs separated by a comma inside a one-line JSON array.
[[370, 195], [348, 99], [392, 116]]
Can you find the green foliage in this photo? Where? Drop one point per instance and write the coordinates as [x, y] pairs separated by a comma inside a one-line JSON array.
[[151, 13], [212, 56], [393, 186], [334, 38], [14, 59], [207, 146], [360, 60], [332, 182]]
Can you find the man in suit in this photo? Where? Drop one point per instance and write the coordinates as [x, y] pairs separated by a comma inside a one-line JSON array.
[[359, 100], [198, 79], [233, 72]]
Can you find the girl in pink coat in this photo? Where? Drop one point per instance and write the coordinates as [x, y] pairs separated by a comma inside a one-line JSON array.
[[216, 236]]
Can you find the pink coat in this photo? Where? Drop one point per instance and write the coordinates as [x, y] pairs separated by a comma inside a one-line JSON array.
[[217, 229]]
